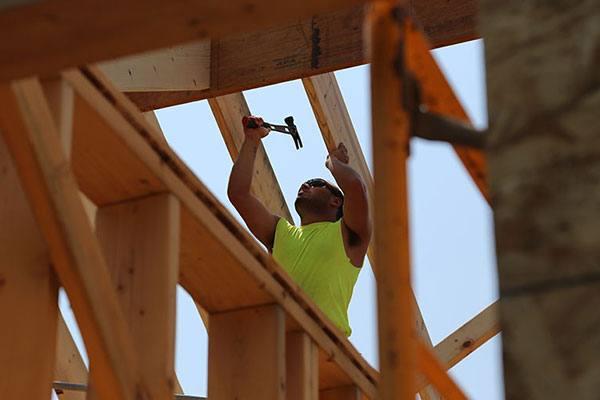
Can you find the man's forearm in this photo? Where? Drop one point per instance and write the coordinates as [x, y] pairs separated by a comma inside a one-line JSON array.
[[345, 176], [240, 179]]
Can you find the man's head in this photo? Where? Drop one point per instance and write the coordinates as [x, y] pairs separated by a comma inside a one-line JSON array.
[[320, 198]]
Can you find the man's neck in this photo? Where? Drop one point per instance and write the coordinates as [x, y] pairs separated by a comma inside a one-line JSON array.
[[311, 219]]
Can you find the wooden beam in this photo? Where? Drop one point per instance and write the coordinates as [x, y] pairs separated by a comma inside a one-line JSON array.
[[246, 354], [228, 111], [185, 67], [140, 241], [316, 45], [436, 373], [28, 290], [46, 37], [145, 165], [392, 250], [438, 97], [52, 193], [302, 367], [469, 337]]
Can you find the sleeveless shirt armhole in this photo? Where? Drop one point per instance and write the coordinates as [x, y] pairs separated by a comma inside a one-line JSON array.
[[340, 222], [280, 228]]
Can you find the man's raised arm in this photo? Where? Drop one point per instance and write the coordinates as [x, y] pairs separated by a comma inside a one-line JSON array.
[[356, 205], [260, 221]]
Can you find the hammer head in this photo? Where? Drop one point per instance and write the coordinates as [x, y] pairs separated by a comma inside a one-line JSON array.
[[289, 121]]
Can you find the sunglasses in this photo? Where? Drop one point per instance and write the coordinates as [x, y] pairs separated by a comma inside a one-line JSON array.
[[318, 182]]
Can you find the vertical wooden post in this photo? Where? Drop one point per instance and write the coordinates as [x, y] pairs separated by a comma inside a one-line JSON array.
[[390, 153], [246, 354], [140, 239], [28, 293], [302, 367]]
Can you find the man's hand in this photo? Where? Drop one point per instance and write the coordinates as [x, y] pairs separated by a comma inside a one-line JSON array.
[[340, 154], [254, 134]]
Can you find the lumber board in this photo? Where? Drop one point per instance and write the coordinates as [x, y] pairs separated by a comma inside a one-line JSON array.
[[69, 365], [469, 337], [229, 271], [302, 367], [28, 291], [315, 45], [185, 67], [437, 374], [438, 97], [140, 241], [336, 127], [391, 137], [48, 36], [52, 193], [228, 112], [246, 354]]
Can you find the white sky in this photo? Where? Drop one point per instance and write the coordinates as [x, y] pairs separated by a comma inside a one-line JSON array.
[[453, 261]]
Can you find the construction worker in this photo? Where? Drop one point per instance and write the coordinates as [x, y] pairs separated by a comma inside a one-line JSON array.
[[325, 253]]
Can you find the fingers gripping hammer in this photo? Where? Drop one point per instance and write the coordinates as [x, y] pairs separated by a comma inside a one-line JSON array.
[[289, 128]]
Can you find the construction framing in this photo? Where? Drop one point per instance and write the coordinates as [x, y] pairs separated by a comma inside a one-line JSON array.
[[107, 210]]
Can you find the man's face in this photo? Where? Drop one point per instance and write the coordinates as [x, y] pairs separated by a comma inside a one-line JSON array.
[[314, 195]]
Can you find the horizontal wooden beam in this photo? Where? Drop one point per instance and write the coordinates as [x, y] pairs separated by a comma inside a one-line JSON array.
[[47, 36], [319, 44], [185, 67]]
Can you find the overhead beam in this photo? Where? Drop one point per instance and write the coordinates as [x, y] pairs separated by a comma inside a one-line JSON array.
[[185, 67], [47, 36], [315, 45], [28, 131]]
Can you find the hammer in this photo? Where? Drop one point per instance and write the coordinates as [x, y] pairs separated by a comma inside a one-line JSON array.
[[289, 128]]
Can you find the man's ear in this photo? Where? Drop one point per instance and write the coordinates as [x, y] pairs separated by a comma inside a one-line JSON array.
[[336, 202]]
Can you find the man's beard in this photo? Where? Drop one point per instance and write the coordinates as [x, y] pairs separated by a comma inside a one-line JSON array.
[[310, 205]]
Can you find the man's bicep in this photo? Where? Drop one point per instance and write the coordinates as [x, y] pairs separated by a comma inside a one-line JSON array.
[[260, 221], [356, 212]]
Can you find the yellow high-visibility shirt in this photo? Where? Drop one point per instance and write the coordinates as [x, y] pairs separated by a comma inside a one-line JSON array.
[[315, 258]]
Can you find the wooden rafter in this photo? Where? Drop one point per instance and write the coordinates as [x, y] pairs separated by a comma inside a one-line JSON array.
[[44, 37]]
